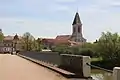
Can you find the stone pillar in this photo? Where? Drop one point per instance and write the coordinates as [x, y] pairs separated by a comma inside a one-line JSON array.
[[116, 73], [86, 68]]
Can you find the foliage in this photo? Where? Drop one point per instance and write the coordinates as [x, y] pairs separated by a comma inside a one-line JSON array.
[[28, 41], [86, 52], [77, 50], [61, 49], [96, 59], [109, 47], [39, 46], [1, 36]]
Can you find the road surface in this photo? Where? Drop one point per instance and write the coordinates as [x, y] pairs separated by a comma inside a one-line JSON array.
[[13, 67]]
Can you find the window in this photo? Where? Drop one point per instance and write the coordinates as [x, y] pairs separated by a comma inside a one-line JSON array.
[[79, 29], [73, 29]]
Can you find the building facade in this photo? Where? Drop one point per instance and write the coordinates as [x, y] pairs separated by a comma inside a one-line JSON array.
[[10, 43]]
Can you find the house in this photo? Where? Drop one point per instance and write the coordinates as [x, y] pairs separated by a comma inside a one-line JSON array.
[[10, 43]]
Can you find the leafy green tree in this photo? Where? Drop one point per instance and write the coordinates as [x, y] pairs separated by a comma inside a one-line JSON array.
[[39, 44], [109, 47], [27, 40], [62, 49], [86, 52], [88, 49], [74, 50], [87, 45], [34, 45], [1, 36]]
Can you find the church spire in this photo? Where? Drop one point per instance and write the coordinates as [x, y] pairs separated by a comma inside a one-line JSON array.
[[77, 19]]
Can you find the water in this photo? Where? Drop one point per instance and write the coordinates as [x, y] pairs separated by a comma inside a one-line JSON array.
[[101, 75]]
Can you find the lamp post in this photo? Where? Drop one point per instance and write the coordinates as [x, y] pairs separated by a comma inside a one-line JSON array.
[[15, 45], [15, 42]]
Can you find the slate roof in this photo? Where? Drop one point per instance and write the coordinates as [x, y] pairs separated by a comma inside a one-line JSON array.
[[77, 19]]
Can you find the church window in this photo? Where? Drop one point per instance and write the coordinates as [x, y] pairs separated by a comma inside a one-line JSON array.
[[79, 29], [73, 29]]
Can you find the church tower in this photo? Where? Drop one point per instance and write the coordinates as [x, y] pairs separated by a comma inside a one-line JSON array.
[[77, 29]]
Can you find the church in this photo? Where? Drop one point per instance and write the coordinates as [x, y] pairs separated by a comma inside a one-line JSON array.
[[75, 39]]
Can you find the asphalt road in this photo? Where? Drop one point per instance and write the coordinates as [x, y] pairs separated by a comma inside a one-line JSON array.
[[13, 67]]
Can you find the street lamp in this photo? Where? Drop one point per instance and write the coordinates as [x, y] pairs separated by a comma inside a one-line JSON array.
[[15, 39]]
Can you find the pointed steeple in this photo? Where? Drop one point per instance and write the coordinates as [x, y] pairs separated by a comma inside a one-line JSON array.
[[77, 19]]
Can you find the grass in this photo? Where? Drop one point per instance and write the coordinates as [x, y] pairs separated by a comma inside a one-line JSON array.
[[96, 59]]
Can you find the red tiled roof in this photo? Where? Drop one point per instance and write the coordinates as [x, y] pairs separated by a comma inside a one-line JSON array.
[[63, 37], [56, 42], [48, 40]]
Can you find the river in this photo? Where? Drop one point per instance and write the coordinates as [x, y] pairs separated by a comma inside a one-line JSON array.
[[101, 75]]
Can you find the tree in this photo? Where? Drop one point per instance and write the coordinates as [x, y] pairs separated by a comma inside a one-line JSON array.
[[1, 36], [87, 45], [38, 44], [109, 47], [34, 45], [86, 52], [88, 49], [75, 50], [28, 41], [62, 49]]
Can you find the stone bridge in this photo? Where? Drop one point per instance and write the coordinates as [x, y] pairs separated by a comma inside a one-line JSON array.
[[40, 66], [46, 66]]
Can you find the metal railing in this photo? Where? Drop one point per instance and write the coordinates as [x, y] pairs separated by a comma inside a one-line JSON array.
[[97, 67]]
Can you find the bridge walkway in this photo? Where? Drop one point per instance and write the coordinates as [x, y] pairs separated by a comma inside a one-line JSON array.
[[13, 67]]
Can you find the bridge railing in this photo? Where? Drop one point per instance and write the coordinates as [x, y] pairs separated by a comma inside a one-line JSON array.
[[97, 67], [74, 63]]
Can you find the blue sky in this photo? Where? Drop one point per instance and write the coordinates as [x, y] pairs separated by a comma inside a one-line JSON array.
[[48, 18]]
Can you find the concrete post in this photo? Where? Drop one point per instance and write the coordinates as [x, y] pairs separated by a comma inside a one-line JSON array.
[[86, 68], [116, 73]]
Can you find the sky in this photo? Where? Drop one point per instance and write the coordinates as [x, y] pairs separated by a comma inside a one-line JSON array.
[[49, 18]]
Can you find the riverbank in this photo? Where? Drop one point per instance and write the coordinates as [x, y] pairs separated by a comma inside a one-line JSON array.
[[100, 75], [104, 64]]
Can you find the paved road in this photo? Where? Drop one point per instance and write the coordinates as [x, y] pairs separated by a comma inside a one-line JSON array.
[[13, 67]]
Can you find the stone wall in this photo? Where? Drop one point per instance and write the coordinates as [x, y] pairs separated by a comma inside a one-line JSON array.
[[73, 63], [49, 57]]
